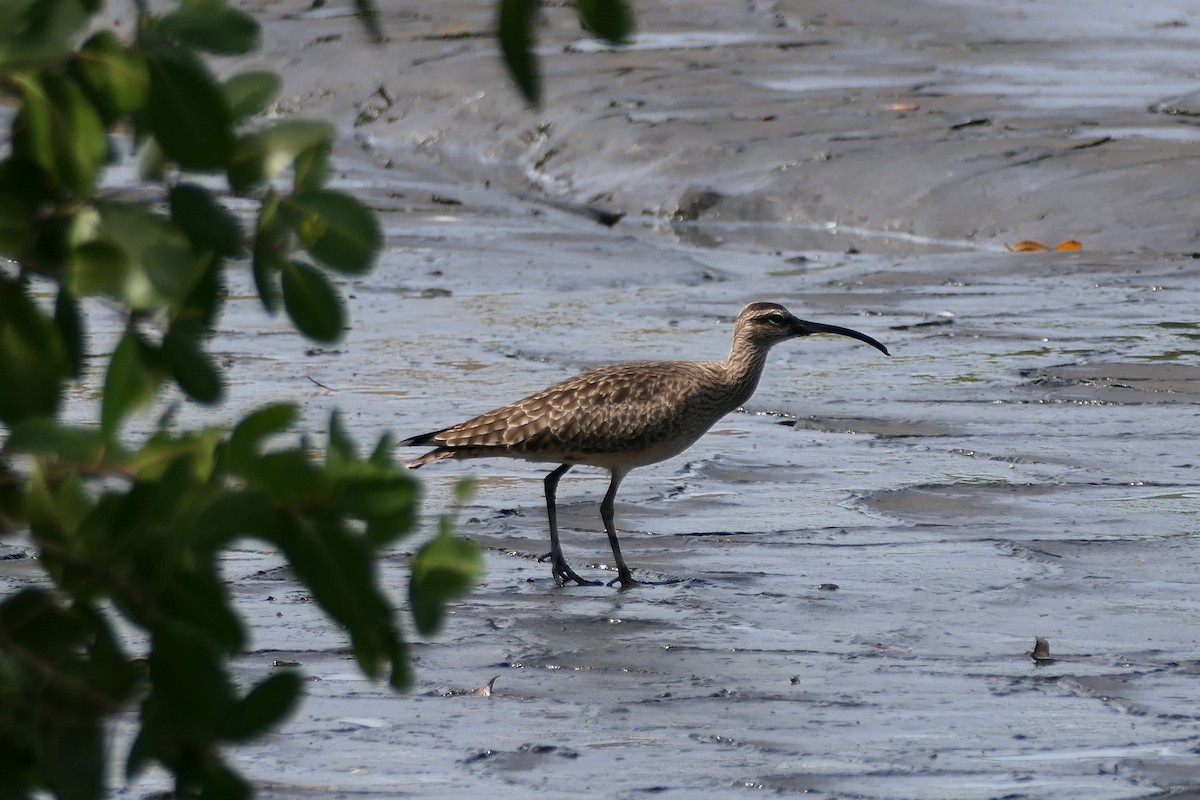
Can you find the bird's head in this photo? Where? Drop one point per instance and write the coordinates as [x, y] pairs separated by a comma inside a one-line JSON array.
[[771, 323]]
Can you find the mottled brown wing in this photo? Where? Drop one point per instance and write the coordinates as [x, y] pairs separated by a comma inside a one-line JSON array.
[[615, 408]]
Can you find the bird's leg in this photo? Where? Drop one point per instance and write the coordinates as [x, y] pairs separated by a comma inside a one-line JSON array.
[[558, 565], [624, 576]]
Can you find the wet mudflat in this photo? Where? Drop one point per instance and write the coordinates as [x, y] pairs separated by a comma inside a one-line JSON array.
[[868, 551]]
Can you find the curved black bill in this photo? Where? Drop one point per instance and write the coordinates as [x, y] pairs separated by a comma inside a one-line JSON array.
[[804, 328]]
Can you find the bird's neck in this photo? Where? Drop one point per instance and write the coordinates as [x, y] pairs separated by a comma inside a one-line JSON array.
[[744, 367]]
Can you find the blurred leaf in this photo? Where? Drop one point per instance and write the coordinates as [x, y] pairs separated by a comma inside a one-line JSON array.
[[152, 162], [192, 368], [516, 24], [339, 568], [264, 155], [33, 361], [288, 476], [70, 327], [212, 26], [197, 597], [611, 20], [16, 229], [63, 674], [270, 247], [247, 438], [387, 503], [381, 456], [59, 129], [207, 223], [312, 168], [73, 752], [219, 782], [100, 267], [190, 694], [131, 381], [162, 267], [444, 568], [311, 301], [38, 32], [335, 228], [266, 705], [188, 112], [46, 437], [200, 307], [341, 451], [464, 490], [249, 93], [114, 76]]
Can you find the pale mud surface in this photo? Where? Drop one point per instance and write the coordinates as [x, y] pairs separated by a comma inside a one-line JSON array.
[[868, 554]]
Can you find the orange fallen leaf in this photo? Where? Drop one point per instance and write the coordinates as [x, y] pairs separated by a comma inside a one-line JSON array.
[[902, 107], [1030, 246]]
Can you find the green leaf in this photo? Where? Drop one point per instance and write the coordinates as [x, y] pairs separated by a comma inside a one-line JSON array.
[[264, 155], [70, 327], [270, 249], [160, 266], [232, 515], [200, 307], [190, 694], [207, 223], [288, 476], [113, 75], [192, 368], [197, 597], [188, 112], [45, 437], [264, 707], [336, 229], [381, 456], [340, 453], [464, 490], [73, 753], [518, 18], [249, 93], [312, 302], [444, 568], [32, 357], [131, 380], [60, 130], [338, 566], [387, 503], [38, 32], [99, 268], [247, 438], [312, 168], [17, 230], [611, 20], [212, 26]]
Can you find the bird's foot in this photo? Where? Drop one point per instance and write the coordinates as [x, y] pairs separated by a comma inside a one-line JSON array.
[[625, 578], [627, 581], [542, 559], [563, 573]]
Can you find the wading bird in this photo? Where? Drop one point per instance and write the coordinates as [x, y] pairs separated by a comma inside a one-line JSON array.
[[623, 416]]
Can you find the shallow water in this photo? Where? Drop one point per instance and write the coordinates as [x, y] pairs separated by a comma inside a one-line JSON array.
[[867, 552]]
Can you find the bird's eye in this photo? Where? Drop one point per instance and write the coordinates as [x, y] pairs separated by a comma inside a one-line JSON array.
[[775, 319]]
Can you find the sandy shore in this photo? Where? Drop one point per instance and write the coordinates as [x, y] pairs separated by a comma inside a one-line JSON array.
[[1023, 465]]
